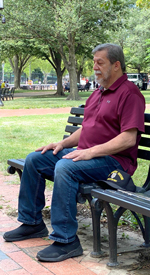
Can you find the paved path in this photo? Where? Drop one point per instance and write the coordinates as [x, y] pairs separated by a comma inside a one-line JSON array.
[[19, 258], [26, 112], [38, 111]]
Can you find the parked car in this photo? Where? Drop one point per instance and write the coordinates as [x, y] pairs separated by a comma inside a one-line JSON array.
[[136, 79], [139, 79]]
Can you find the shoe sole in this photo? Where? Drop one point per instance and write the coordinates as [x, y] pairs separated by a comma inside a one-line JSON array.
[[75, 253], [42, 233]]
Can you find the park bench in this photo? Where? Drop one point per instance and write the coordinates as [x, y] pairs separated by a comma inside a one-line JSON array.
[[4, 93], [99, 199], [10, 93], [7, 93]]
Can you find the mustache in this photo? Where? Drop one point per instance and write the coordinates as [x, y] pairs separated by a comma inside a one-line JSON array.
[[97, 72]]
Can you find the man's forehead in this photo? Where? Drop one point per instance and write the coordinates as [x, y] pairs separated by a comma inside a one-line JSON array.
[[100, 55]]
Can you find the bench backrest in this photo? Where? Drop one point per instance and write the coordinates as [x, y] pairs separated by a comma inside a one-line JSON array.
[[76, 119], [144, 145]]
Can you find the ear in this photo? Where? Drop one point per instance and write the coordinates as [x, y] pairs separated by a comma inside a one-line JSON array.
[[117, 66]]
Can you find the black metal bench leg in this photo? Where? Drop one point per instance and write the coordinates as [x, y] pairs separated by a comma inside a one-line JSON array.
[[19, 173], [147, 231], [96, 210], [112, 229], [12, 170]]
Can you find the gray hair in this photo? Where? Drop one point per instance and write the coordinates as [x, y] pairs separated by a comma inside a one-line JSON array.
[[114, 53]]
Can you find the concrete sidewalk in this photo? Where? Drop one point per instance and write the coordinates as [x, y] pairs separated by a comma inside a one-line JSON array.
[[20, 257]]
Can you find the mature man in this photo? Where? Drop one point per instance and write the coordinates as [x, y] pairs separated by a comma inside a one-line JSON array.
[[108, 140]]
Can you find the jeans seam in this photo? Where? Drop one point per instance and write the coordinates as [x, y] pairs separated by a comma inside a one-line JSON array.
[[35, 198]]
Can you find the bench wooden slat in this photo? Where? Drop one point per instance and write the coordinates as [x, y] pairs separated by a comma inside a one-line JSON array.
[[65, 136], [75, 120], [128, 200], [143, 154], [71, 129], [147, 117], [145, 142], [147, 129], [17, 163], [77, 111]]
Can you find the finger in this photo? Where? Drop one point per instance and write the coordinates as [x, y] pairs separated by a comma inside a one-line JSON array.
[[45, 149], [39, 149], [76, 159], [55, 151], [68, 156]]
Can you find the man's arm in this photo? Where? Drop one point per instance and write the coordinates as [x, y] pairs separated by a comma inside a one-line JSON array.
[[118, 144], [69, 142]]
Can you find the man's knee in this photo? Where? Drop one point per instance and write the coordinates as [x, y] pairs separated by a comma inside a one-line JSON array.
[[31, 158], [62, 166]]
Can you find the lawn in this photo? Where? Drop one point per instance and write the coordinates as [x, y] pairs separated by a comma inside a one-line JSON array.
[[44, 101], [21, 135], [52, 101]]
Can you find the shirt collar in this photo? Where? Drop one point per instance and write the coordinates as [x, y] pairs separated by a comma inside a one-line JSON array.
[[118, 82], [115, 85]]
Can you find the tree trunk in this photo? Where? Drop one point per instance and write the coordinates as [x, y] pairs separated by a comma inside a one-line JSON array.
[[71, 67], [45, 78], [73, 84], [78, 76], [79, 71], [57, 60], [60, 91], [17, 73]]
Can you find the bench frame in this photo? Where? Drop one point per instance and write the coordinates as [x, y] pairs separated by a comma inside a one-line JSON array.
[[97, 196]]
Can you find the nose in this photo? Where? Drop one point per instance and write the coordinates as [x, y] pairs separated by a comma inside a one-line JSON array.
[[95, 66]]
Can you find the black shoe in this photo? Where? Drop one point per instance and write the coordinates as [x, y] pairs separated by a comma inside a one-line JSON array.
[[25, 232], [59, 251]]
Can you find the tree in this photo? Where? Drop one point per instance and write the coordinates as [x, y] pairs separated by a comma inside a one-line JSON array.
[[138, 32], [143, 3], [47, 53], [131, 35], [63, 24], [18, 54]]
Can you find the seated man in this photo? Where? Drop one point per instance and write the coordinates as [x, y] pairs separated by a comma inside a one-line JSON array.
[[108, 140], [87, 86], [67, 87]]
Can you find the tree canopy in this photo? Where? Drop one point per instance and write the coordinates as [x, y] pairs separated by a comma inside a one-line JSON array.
[[143, 3], [65, 26], [68, 30]]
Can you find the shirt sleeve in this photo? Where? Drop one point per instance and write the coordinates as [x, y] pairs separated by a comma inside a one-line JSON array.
[[131, 113]]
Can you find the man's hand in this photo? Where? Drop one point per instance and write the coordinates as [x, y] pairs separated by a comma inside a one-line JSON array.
[[76, 155], [56, 147]]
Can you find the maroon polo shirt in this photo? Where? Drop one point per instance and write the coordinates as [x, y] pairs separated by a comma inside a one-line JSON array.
[[111, 112]]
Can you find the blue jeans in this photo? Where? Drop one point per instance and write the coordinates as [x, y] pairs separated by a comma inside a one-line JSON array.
[[67, 175]]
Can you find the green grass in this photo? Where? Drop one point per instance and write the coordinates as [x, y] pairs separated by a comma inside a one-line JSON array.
[[21, 135], [46, 101], [146, 94], [52, 101]]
